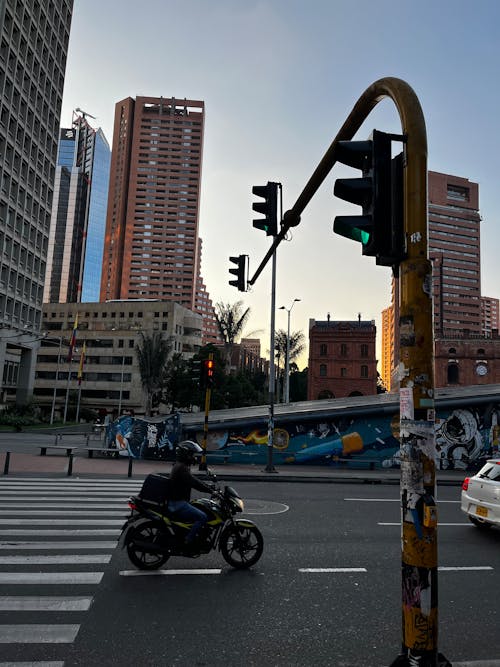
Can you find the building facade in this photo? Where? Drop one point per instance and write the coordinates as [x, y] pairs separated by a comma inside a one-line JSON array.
[[342, 359], [78, 220], [466, 340], [110, 376], [34, 38]]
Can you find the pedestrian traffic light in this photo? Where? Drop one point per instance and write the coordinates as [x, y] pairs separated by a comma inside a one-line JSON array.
[[209, 372], [379, 192], [269, 208], [240, 271]]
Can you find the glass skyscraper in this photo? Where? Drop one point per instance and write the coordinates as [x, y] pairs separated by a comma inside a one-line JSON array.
[[78, 220]]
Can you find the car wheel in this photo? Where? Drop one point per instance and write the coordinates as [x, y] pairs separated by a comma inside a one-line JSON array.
[[484, 525]]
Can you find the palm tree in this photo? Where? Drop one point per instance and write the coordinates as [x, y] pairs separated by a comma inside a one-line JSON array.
[[152, 355], [296, 347], [231, 320]]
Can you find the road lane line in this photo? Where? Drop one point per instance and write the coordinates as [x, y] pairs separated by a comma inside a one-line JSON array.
[[332, 569], [38, 634], [392, 500], [44, 603], [61, 532], [38, 663], [69, 513], [398, 523], [56, 545], [60, 559], [465, 568], [62, 522], [51, 577], [153, 573]]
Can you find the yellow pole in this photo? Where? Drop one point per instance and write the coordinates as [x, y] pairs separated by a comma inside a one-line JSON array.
[[208, 393]]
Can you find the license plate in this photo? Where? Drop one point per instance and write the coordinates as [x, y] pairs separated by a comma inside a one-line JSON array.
[[481, 511]]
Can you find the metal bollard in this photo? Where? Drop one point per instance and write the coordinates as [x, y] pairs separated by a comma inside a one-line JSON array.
[[130, 462], [55, 441], [6, 464], [70, 464]]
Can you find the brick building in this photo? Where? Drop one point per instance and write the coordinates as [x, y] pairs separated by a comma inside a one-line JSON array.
[[342, 359]]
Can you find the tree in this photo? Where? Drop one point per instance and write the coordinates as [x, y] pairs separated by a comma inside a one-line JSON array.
[[296, 348], [152, 355], [231, 320]]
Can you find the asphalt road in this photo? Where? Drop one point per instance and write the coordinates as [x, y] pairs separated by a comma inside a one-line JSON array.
[[326, 591]]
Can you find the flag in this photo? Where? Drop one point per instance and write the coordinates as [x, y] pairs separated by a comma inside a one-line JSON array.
[[72, 342], [80, 368]]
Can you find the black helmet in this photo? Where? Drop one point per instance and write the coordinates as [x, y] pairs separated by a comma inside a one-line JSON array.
[[187, 451]]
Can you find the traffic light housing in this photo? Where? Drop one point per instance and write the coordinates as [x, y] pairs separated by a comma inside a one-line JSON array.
[[196, 371], [240, 271], [379, 191], [209, 366], [268, 207]]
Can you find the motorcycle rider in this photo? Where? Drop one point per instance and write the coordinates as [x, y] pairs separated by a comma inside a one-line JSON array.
[[181, 483]]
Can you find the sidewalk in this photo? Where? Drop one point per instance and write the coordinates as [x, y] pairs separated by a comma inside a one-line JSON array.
[[57, 464]]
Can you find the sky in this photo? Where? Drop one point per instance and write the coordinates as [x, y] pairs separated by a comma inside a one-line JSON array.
[[279, 78]]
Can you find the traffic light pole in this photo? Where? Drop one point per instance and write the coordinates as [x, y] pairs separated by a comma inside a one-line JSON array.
[[415, 370], [272, 380], [208, 393]]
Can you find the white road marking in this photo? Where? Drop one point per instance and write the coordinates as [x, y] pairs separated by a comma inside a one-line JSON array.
[[57, 545], [44, 603], [398, 523], [38, 663], [61, 532], [62, 522], [118, 512], [62, 505], [153, 573], [465, 568], [38, 634], [392, 500], [332, 569], [60, 559], [51, 577]]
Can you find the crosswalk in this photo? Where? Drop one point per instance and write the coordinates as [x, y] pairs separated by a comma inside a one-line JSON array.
[[56, 539]]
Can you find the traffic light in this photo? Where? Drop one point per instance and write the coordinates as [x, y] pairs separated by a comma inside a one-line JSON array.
[[196, 371], [240, 272], [269, 207], [380, 228], [209, 366]]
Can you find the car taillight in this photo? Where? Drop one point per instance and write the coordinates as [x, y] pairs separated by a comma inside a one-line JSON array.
[[465, 484]]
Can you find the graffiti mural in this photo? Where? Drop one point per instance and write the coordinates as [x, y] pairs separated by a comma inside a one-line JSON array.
[[463, 437], [144, 439]]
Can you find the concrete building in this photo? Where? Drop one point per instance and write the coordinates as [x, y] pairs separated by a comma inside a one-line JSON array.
[[463, 320], [34, 42], [111, 379], [152, 248], [342, 359], [490, 316], [76, 239]]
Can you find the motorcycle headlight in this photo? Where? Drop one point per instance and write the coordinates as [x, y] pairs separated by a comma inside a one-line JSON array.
[[238, 503]]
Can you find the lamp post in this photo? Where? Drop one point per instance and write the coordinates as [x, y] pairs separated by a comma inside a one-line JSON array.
[[287, 358]]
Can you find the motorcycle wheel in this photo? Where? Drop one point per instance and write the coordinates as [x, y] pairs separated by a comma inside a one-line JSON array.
[[145, 560], [242, 546]]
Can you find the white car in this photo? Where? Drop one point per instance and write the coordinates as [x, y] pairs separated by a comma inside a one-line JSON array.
[[481, 495]]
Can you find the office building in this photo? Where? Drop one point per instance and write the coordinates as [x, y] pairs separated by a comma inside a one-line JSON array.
[[466, 344], [342, 359], [76, 239], [34, 42], [110, 375], [152, 248]]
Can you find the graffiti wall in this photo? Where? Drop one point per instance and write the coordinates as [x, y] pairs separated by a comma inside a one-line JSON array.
[[144, 439], [463, 436]]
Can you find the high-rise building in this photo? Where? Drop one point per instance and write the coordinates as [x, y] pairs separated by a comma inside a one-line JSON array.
[[152, 248], [490, 315], [34, 38], [454, 249], [463, 320], [76, 240]]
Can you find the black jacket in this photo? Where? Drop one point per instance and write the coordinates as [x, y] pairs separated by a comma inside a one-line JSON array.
[[182, 481]]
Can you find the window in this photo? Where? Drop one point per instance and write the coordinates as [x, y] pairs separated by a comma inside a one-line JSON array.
[[457, 193], [364, 371], [343, 372], [453, 374], [322, 370], [323, 350], [364, 350], [343, 350]]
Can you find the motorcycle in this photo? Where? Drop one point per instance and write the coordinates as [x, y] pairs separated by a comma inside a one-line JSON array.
[[152, 534]]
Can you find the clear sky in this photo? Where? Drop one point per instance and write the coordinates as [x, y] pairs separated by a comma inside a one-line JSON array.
[[278, 78]]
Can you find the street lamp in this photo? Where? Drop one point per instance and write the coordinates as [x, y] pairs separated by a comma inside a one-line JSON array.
[[287, 363]]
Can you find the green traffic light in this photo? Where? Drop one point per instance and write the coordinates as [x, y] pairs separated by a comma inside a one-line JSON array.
[[351, 227]]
